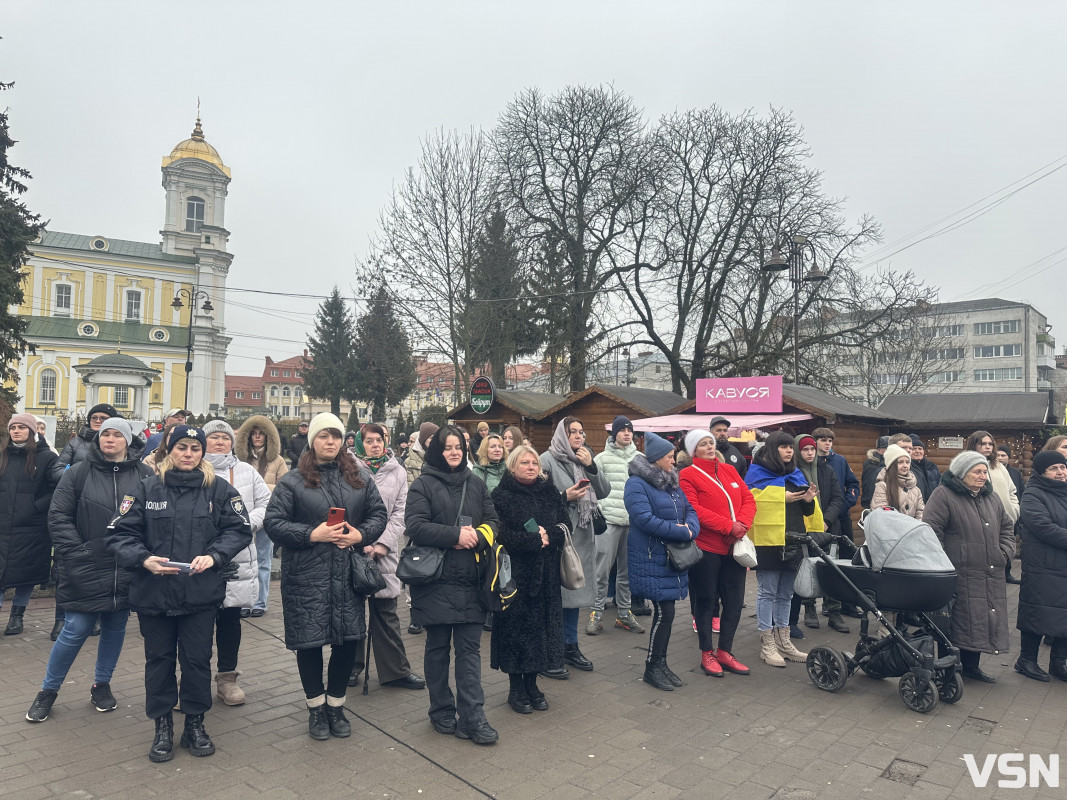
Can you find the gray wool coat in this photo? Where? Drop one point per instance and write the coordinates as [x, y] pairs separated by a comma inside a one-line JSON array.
[[979, 538], [584, 541]]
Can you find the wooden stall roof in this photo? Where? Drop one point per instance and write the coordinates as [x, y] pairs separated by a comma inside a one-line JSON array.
[[821, 404], [646, 402], [1017, 410], [528, 404]]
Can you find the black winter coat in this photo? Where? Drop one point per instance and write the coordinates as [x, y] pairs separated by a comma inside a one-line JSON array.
[[179, 518], [432, 519], [831, 497], [25, 549], [872, 465], [74, 451], [526, 636], [733, 457], [319, 606], [88, 577], [928, 476], [1043, 595]]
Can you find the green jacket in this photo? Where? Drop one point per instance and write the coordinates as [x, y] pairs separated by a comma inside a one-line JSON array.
[[614, 462]]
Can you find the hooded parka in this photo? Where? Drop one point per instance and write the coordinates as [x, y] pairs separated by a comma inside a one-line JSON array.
[[25, 549], [979, 539], [319, 606], [274, 465], [88, 576], [1043, 594], [176, 516]]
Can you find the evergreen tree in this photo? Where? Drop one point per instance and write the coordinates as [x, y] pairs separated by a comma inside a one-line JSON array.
[[383, 357], [399, 425], [559, 314], [500, 322], [435, 414], [411, 422], [330, 371], [18, 228]]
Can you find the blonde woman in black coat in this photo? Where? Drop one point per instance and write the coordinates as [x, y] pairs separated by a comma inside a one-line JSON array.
[[319, 607]]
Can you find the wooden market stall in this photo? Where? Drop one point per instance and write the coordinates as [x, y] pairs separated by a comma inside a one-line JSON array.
[[944, 421], [512, 407]]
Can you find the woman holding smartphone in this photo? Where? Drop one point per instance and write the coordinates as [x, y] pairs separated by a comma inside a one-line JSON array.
[[182, 516], [318, 512]]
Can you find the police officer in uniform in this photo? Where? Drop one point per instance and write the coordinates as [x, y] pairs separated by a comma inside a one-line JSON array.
[[186, 516]]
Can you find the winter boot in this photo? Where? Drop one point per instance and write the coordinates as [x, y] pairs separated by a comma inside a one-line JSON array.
[[163, 743], [318, 725], [14, 623], [227, 690], [768, 650], [537, 698], [710, 664], [1057, 668], [729, 663], [336, 719], [811, 617], [676, 682], [195, 737], [786, 648], [57, 629], [837, 622], [518, 699], [655, 676]]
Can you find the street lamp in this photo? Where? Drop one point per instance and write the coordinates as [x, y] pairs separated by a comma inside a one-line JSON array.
[[207, 308], [793, 261]]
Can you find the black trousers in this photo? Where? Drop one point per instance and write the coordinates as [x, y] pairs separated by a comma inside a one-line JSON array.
[[309, 665], [1030, 643], [390, 657], [713, 578], [467, 639], [170, 640], [227, 638], [660, 635]]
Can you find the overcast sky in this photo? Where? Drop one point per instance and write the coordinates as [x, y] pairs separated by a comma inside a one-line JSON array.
[[913, 110]]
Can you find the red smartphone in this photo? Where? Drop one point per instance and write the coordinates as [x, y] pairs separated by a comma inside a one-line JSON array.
[[583, 483], [335, 517]]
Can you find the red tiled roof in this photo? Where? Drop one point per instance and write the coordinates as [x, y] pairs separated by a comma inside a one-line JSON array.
[[246, 384]]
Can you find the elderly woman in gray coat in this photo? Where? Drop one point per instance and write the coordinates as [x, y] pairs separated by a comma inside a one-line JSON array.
[[979, 539], [570, 466]]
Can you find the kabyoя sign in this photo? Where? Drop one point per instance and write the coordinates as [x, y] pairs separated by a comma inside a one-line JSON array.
[[760, 394], [482, 395]]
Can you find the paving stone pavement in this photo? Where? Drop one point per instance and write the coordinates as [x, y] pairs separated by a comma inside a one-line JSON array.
[[606, 735]]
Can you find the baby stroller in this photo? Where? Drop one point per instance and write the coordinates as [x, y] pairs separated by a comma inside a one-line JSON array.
[[901, 568]]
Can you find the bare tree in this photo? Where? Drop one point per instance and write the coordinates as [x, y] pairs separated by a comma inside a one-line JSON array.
[[571, 166], [428, 243]]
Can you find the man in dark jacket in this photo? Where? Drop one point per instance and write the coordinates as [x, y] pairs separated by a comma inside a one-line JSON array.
[[720, 429], [846, 478], [89, 583], [78, 447], [298, 443], [926, 473], [873, 464]]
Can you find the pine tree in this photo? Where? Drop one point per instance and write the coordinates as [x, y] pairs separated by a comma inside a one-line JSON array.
[[500, 321], [18, 229], [398, 426], [330, 371], [383, 357]]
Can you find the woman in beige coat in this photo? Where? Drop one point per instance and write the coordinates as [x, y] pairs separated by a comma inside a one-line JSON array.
[[897, 487]]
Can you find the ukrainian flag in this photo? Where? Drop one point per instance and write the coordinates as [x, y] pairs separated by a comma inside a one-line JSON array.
[[768, 490]]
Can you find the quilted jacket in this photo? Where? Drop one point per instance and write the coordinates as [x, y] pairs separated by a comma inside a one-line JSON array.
[[614, 463]]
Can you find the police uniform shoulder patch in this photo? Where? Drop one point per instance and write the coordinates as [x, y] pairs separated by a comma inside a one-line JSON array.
[[238, 506], [126, 504]]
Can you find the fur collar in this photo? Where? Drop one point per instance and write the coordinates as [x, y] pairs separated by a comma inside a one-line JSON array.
[[955, 485], [651, 474]]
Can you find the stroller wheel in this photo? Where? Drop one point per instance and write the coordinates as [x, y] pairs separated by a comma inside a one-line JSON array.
[[950, 690], [827, 668], [918, 694]]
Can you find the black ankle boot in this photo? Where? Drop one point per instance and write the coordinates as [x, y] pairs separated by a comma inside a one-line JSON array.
[[573, 656], [517, 697], [57, 629], [656, 676], [195, 737], [14, 623], [163, 743], [1057, 668], [318, 725], [538, 702], [338, 722]]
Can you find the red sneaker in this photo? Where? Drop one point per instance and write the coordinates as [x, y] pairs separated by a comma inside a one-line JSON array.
[[729, 663], [709, 664], [714, 624]]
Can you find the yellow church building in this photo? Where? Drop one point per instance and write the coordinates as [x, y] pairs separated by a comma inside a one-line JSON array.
[[129, 323]]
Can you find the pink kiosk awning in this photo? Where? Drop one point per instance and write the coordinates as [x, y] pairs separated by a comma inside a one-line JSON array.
[[738, 422]]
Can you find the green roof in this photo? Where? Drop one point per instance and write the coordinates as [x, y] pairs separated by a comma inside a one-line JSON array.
[[116, 247], [117, 361], [132, 333]]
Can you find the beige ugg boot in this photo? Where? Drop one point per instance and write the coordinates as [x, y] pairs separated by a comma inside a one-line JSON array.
[[785, 646], [768, 652], [227, 689]]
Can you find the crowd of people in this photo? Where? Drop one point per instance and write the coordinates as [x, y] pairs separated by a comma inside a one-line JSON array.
[[182, 530]]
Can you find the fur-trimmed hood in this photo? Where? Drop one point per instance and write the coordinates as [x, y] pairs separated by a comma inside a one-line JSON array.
[[651, 474], [274, 442]]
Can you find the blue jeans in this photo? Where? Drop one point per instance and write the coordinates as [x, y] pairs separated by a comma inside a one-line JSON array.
[[264, 552], [774, 592], [75, 631], [570, 626], [22, 596]]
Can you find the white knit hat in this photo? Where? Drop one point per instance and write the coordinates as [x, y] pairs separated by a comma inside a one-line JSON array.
[[893, 453], [324, 422], [693, 438]]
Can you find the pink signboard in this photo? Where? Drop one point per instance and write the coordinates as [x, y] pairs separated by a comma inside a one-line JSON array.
[[761, 394]]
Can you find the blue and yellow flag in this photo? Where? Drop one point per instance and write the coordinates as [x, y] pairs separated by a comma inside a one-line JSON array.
[[768, 490]]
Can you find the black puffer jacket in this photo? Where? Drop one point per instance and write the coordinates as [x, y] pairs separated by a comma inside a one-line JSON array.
[[25, 550], [1043, 595], [179, 518], [318, 604], [431, 517], [88, 577]]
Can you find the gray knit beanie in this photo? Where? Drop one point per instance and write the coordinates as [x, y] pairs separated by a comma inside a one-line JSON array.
[[219, 426], [965, 462]]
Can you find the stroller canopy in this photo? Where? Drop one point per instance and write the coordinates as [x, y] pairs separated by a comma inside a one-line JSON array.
[[897, 541]]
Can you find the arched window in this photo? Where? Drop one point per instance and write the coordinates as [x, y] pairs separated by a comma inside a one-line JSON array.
[[194, 214], [273, 391], [285, 391], [298, 393], [48, 387]]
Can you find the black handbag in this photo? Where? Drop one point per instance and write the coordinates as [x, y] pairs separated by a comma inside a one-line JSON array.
[[600, 524], [419, 563], [683, 555], [366, 578]]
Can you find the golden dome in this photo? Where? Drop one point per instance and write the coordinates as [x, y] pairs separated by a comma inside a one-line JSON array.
[[196, 147]]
